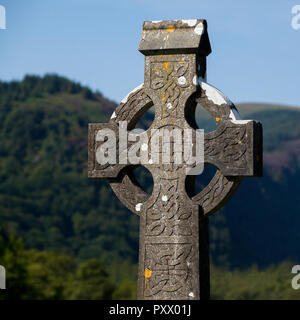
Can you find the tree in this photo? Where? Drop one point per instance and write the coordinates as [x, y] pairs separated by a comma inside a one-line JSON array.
[[49, 274], [91, 282], [13, 259]]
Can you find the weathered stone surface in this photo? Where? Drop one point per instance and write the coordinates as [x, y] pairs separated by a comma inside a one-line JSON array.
[[173, 253], [181, 36]]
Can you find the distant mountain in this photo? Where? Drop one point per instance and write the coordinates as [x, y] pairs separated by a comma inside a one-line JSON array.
[[47, 199]]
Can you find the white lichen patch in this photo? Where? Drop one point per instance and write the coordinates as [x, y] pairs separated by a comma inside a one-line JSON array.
[[164, 198], [113, 115], [182, 80], [133, 91], [191, 294], [213, 94], [217, 97], [195, 80], [191, 22], [138, 207], [156, 21], [169, 105], [144, 147], [199, 29], [150, 161], [235, 116]]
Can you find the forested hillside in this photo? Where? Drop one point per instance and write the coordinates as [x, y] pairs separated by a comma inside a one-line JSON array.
[[47, 200]]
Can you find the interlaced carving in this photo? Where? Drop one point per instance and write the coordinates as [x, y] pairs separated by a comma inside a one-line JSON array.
[[169, 263], [169, 78], [166, 216], [228, 144]]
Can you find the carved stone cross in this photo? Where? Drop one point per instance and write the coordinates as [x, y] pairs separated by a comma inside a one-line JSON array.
[[173, 247]]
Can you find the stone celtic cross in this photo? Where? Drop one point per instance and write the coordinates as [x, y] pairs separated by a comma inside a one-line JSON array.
[[173, 247]]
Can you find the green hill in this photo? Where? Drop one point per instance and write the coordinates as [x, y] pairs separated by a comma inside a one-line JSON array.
[[45, 195]]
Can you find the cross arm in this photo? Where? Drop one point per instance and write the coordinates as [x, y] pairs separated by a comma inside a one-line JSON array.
[[235, 148], [103, 153]]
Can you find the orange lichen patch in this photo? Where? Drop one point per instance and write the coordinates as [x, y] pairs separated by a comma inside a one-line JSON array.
[[144, 31], [170, 29], [163, 97], [147, 273], [218, 119], [180, 61], [166, 65]]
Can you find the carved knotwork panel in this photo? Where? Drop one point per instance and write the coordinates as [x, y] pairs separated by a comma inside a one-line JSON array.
[[167, 215], [171, 276]]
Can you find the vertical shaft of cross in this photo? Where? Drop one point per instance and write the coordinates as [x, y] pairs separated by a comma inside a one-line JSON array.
[[168, 244], [173, 255]]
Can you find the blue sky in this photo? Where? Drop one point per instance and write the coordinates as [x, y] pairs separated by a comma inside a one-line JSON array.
[[255, 54]]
